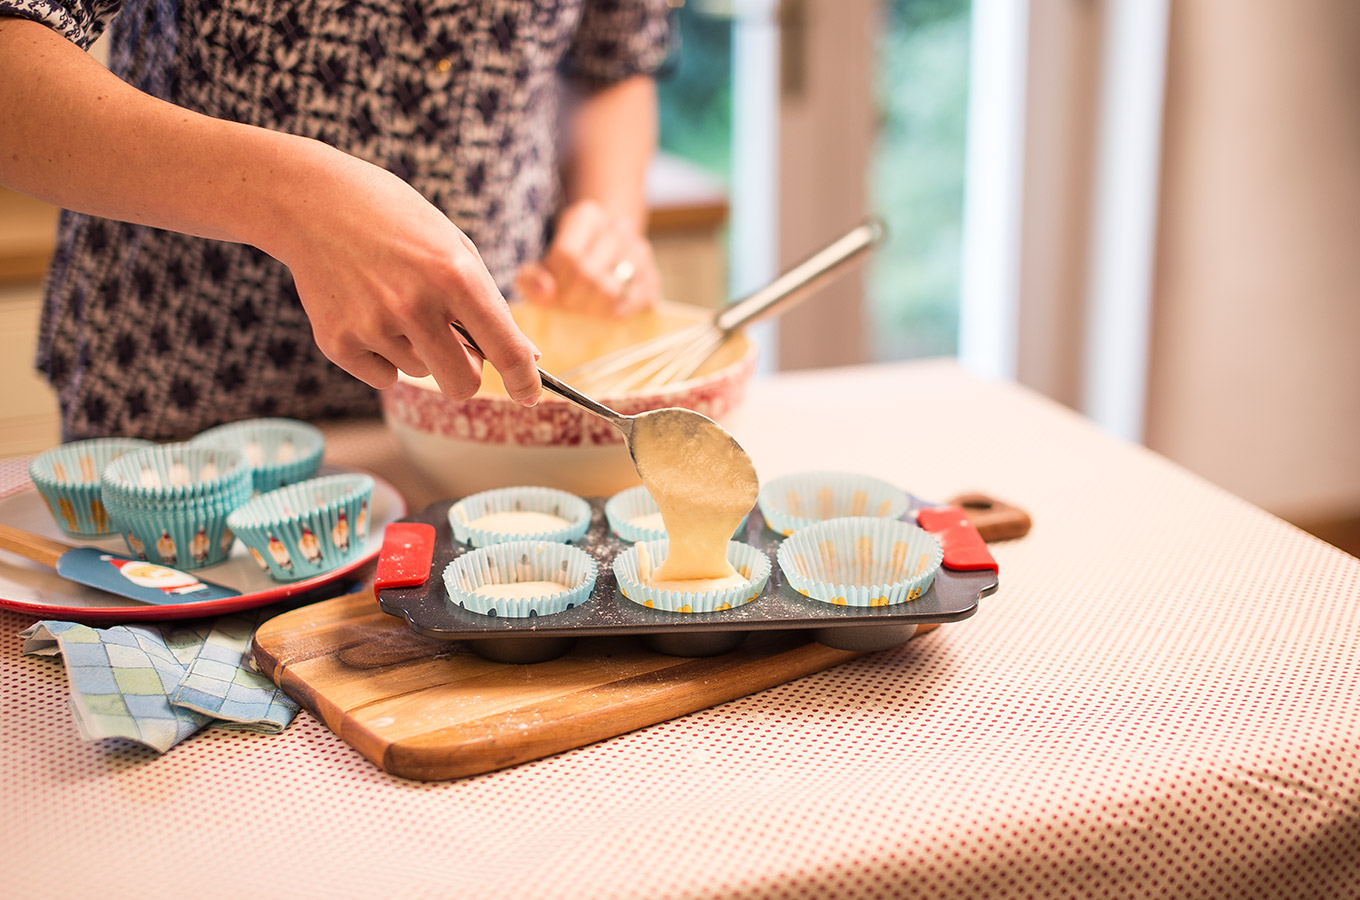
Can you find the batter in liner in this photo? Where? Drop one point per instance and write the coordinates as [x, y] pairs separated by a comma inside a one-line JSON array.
[[518, 521], [704, 483], [521, 590]]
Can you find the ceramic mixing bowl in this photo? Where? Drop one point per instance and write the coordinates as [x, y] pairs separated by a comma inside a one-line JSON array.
[[489, 441]]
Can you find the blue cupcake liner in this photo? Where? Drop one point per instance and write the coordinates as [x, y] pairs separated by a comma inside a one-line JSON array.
[[173, 473], [860, 561], [279, 451], [795, 501], [170, 502], [67, 478], [177, 541], [632, 566], [516, 562], [308, 528], [179, 534], [624, 507], [552, 501]]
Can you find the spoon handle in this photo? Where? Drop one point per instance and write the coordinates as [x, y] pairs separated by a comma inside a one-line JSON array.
[[561, 389]]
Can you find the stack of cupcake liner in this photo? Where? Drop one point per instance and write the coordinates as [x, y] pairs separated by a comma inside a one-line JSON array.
[[633, 567], [795, 501], [624, 510], [550, 501], [519, 562], [68, 479], [860, 561], [279, 451], [170, 502], [308, 528]]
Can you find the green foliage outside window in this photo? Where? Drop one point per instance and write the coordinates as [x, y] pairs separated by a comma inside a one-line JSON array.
[[916, 177], [916, 184], [696, 94]]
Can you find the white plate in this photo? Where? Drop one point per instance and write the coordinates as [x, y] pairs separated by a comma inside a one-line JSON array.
[[28, 587]]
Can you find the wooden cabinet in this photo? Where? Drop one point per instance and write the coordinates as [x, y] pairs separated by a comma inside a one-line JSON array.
[[687, 229], [28, 407]]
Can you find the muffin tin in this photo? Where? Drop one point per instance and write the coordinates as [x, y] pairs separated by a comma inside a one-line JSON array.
[[409, 585]]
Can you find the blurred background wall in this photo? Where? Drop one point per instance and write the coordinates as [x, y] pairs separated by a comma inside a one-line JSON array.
[[1255, 376], [1253, 379]]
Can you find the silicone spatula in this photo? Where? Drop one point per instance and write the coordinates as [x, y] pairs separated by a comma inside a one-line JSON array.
[[122, 575]]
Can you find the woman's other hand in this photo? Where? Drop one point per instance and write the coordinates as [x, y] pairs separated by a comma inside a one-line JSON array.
[[597, 264]]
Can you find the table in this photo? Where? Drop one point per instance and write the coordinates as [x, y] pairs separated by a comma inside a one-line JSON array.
[[1162, 700]]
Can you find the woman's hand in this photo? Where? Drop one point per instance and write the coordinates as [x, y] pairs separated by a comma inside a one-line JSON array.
[[596, 264], [382, 273]]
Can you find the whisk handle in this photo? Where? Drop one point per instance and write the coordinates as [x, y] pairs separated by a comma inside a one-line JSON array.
[[802, 279], [560, 388]]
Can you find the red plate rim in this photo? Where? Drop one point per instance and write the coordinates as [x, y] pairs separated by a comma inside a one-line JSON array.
[[145, 613]]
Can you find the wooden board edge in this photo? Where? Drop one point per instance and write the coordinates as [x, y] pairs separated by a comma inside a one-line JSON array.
[[421, 759]]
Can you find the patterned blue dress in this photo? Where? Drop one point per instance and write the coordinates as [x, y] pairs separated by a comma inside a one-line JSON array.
[[157, 334]]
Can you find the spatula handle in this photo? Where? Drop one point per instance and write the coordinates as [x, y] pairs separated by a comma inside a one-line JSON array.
[[32, 546]]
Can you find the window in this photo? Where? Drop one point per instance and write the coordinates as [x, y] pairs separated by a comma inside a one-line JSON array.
[[916, 178]]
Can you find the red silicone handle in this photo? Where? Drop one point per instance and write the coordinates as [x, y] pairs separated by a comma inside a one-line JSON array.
[[964, 548], [407, 551]]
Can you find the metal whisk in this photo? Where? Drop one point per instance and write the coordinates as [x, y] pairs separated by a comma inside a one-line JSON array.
[[678, 355]]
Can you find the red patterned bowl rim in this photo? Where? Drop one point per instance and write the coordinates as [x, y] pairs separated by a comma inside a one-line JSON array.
[[556, 422]]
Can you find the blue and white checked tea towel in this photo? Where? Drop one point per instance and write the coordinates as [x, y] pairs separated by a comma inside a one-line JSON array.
[[157, 685]]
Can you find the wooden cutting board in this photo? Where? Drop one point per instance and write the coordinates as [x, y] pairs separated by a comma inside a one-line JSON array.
[[433, 710]]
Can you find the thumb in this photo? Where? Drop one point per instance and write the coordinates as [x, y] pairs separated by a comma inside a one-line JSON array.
[[536, 284]]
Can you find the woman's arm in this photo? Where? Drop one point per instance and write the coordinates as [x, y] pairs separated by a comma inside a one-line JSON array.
[[602, 230], [614, 137], [380, 271]]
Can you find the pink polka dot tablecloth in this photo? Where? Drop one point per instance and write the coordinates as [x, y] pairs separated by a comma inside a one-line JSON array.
[[1162, 700]]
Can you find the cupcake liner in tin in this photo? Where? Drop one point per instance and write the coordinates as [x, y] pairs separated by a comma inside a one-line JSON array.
[[304, 529], [520, 562], [795, 501], [624, 509], [860, 561], [279, 451], [632, 567], [170, 502], [67, 478], [549, 501]]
